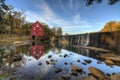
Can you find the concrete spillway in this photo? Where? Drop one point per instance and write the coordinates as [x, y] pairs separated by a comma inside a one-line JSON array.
[[106, 40]]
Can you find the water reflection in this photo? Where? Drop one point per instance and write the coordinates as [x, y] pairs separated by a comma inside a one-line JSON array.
[[45, 62], [37, 51]]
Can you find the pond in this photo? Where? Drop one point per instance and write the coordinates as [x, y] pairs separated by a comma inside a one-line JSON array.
[[49, 62]]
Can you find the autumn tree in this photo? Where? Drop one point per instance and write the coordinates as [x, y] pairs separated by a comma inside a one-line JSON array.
[[111, 26]]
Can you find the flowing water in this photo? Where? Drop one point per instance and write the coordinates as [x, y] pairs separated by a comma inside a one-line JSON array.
[[46, 62]]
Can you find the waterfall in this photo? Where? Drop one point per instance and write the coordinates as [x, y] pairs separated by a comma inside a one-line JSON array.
[[87, 39], [71, 41], [78, 40]]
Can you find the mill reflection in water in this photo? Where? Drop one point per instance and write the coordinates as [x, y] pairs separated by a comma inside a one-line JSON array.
[[45, 62]]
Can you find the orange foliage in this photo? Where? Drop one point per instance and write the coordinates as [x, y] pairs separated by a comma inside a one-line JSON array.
[[111, 26]]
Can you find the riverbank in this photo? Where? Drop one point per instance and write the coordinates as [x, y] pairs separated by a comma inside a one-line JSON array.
[[14, 39]]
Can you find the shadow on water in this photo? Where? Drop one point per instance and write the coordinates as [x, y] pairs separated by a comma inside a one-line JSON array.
[[49, 61]]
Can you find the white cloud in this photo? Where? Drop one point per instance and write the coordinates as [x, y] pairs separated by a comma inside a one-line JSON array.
[[48, 16]]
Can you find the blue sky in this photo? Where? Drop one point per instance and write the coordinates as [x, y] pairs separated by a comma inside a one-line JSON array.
[[72, 15]]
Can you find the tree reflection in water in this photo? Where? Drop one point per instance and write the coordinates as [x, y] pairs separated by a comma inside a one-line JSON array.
[[47, 62]]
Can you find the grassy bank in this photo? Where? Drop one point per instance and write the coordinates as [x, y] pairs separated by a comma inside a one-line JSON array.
[[6, 39]]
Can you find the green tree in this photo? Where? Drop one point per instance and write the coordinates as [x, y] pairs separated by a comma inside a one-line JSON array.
[[19, 21], [54, 31], [3, 9], [59, 31], [26, 28]]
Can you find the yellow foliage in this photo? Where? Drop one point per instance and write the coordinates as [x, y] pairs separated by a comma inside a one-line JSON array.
[[111, 26]]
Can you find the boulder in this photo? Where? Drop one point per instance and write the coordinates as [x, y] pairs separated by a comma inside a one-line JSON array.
[[47, 62], [109, 62], [117, 58], [96, 72], [65, 55], [99, 62], [75, 73], [76, 68], [65, 63], [84, 63], [39, 63], [115, 77], [78, 60], [49, 56], [66, 77], [53, 62], [58, 70], [91, 77], [88, 61]]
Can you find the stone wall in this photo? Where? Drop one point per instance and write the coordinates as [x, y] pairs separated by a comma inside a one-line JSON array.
[[107, 40]]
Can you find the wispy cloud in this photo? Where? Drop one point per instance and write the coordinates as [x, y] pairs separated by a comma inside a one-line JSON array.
[[48, 16], [71, 4], [62, 5]]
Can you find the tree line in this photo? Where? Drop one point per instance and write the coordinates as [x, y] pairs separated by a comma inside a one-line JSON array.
[[14, 22]]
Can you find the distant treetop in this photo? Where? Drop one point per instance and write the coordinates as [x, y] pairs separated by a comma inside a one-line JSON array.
[[111, 26], [90, 2]]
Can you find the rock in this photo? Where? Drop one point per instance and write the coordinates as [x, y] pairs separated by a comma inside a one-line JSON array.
[[115, 77], [91, 77], [76, 68], [65, 55], [114, 58], [66, 77], [53, 62], [47, 62], [111, 56], [65, 63], [58, 70], [70, 63], [108, 74], [84, 63], [49, 56], [39, 63], [99, 62], [88, 61], [60, 55], [78, 60], [109, 62], [96, 72], [74, 73]]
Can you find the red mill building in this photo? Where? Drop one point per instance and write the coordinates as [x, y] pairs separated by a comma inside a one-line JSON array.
[[37, 30]]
